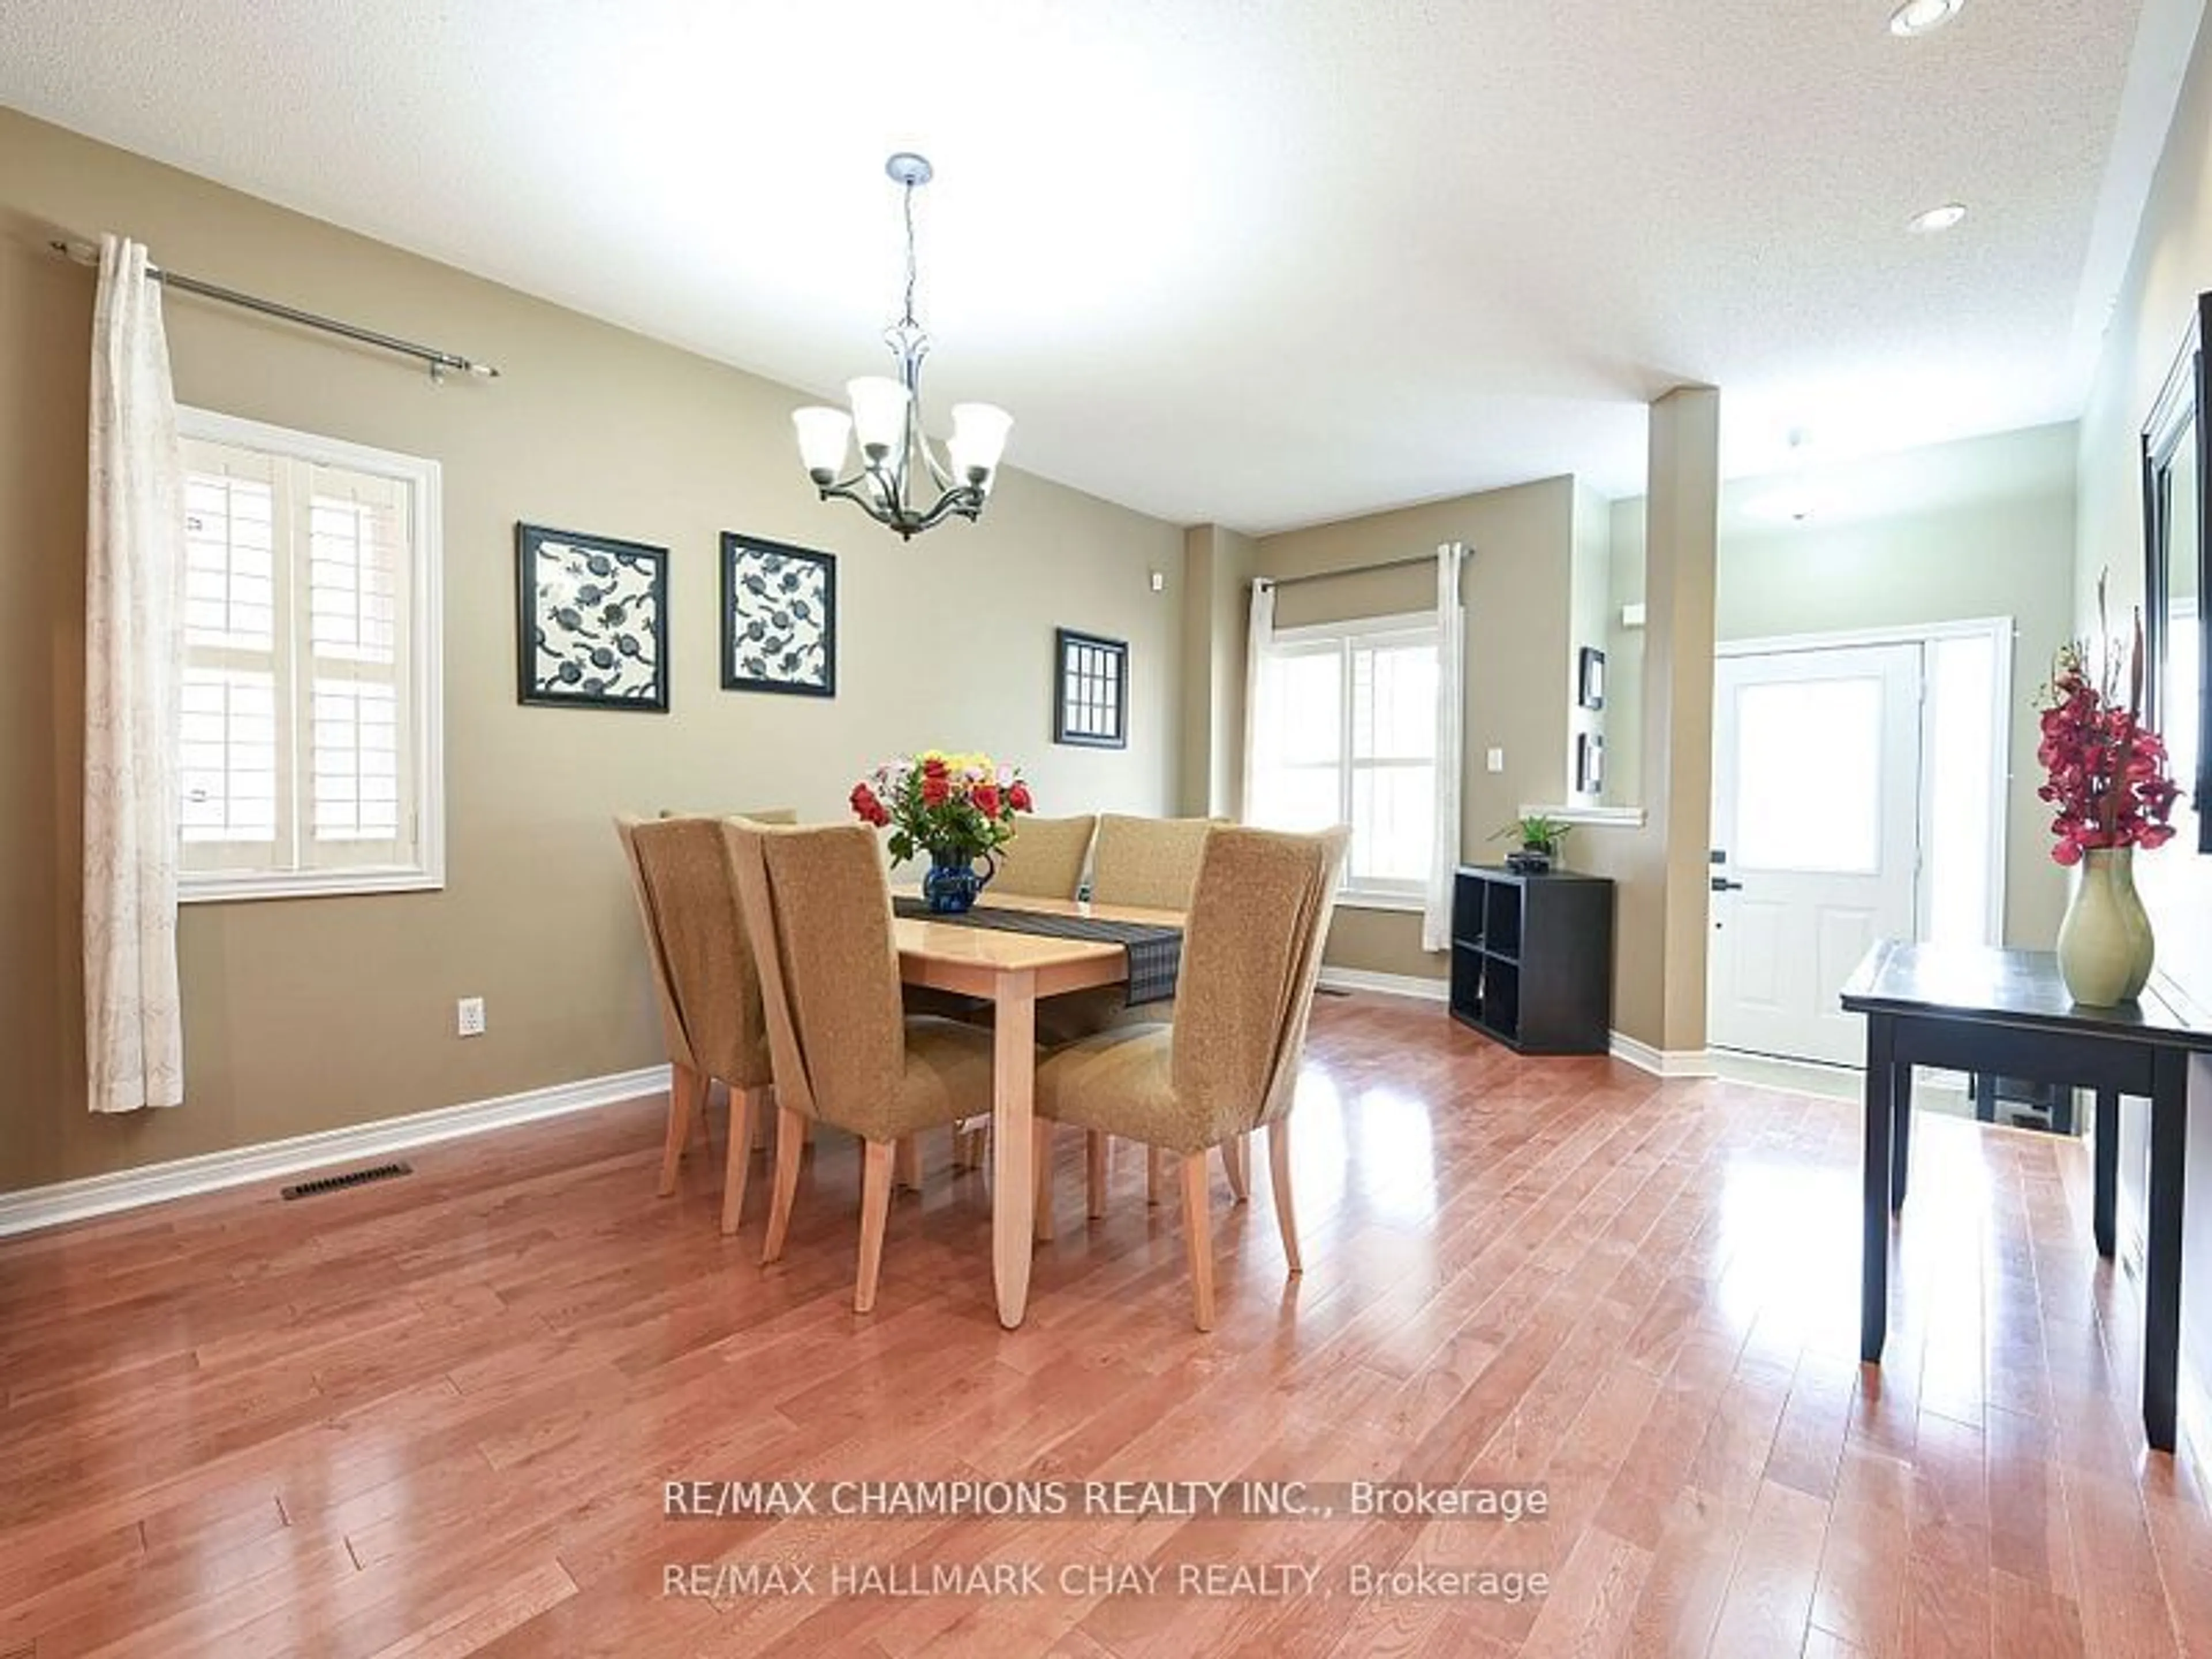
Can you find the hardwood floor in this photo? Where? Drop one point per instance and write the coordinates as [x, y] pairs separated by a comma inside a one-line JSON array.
[[434, 1417]]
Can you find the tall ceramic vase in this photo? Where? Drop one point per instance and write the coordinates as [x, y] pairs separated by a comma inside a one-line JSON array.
[[2105, 945]]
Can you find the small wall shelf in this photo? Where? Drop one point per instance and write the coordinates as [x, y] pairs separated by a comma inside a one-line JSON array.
[[1532, 959]]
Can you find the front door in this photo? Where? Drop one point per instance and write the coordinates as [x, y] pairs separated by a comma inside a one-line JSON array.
[[1816, 774]]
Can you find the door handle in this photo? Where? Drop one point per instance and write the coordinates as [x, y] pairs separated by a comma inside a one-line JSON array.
[[1723, 884]]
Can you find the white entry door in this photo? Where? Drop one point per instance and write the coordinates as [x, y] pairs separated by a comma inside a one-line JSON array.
[[1816, 813]]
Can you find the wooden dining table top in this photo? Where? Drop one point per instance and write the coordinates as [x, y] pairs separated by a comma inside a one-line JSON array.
[[951, 941]]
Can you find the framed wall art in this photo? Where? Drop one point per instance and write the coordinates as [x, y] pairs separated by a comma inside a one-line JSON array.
[[591, 621], [1590, 764], [779, 617], [1090, 690], [1589, 678]]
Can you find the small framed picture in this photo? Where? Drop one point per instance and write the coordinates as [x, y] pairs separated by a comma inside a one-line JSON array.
[[591, 621], [1590, 764], [1589, 680], [779, 617], [1090, 690]]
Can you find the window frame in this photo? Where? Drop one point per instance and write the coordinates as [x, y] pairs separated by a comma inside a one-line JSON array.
[[424, 681], [1308, 639]]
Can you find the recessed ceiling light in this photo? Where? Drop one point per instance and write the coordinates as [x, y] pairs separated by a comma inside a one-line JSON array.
[[1938, 218], [1919, 17]]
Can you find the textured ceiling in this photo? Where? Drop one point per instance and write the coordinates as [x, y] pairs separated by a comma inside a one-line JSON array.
[[1257, 264]]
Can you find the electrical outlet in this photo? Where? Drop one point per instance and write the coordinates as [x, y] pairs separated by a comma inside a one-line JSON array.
[[469, 1017]]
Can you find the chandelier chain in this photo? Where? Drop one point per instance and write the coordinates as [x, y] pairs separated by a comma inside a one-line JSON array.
[[910, 266]]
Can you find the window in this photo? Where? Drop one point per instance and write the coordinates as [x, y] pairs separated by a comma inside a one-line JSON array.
[[310, 731], [1345, 733]]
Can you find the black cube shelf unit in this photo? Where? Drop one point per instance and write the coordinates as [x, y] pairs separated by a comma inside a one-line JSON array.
[[1532, 959]]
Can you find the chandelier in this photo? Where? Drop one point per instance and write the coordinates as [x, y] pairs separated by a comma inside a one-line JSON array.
[[895, 456]]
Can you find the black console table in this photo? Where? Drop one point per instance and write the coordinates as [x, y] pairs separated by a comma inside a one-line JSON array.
[[1974, 1009]]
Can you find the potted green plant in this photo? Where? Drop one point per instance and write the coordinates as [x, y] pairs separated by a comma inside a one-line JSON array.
[[1541, 838]]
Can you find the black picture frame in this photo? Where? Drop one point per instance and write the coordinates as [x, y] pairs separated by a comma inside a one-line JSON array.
[[1589, 678], [2180, 424], [1590, 764], [591, 621], [779, 617], [1090, 690]]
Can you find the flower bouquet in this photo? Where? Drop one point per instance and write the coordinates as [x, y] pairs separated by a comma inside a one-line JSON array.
[[957, 808], [2105, 774]]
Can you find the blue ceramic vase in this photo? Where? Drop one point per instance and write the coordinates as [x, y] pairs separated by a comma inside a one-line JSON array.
[[950, 885]]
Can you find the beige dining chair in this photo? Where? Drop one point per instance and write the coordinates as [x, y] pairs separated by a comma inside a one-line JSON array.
[[1045, 858], [1229, 1063], [705, 983], [818, 913], [1152, 863]]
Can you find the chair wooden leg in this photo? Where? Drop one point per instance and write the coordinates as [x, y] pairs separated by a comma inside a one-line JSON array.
[[972, 1145], [1236, 1164], [747, 1108], [909, 1163], [790, 1146], [1198, 1239], [687, 1097], [1041, 1167], [1279, 1165], [1156, 1174], [877, 1158], [1095, 1172]]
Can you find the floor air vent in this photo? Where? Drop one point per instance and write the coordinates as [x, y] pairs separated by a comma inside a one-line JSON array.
[[338, 1183]]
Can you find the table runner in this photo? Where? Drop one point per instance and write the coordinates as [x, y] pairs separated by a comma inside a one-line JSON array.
[[1155, 952]]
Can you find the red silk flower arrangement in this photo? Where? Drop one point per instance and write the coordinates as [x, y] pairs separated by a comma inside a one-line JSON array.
[[2106, 770], [961, 805]]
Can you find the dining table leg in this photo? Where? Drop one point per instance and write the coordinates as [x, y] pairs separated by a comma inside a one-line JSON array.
[[1013, 1102]]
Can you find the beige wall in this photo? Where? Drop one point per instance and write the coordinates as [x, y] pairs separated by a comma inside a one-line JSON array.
[[2172, 264], [1216, 599], [1624, 659], [1516, 595], [313, 1014]]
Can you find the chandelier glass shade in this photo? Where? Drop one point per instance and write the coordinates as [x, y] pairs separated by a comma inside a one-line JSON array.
[[898, 466]]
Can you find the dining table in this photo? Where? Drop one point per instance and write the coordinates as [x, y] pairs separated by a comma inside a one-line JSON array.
[[1011, 970]]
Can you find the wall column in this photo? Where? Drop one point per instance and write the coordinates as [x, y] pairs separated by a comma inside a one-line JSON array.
[[1681, 538]]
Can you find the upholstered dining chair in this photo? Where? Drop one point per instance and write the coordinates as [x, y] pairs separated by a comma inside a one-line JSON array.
[[1229, 1063], [708, 991], [1046, 857], [818, 914], [1152, 863]]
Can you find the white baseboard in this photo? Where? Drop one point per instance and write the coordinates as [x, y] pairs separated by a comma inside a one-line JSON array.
[[126, 1189], [1687, 1062], [1395, 985]]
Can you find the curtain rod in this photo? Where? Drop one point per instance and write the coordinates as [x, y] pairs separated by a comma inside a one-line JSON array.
[[1429, 559], [84, 254]]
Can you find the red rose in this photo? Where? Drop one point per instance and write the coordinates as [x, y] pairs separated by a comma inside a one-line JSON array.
[[986, 798], [867, 807], [932, 768], [935, 791], [1018, 798]]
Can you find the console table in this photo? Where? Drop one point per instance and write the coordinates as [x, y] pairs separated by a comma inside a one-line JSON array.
[[1975, 1009]]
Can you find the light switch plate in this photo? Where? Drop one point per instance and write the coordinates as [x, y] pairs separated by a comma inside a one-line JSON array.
[[1497, 760]]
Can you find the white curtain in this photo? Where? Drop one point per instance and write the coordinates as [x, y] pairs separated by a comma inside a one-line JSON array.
[[1259, 637], [1451, 679], [134, 652]]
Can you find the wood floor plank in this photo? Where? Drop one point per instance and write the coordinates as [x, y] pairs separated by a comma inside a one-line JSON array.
[[436, 1416]]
